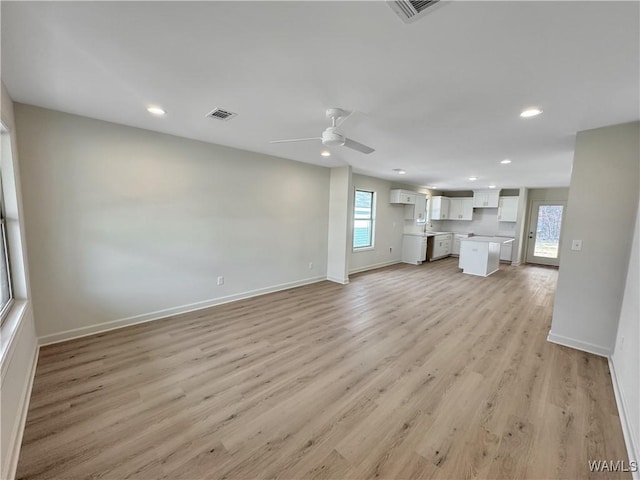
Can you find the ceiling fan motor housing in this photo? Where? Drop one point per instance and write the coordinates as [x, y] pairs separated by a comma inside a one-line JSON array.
[[332, 138]]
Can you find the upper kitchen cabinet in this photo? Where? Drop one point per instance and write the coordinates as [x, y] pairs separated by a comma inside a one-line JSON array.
[[486, 198], [460, 208], [417, 211], [439, 208], [508, 209], [403, 197]]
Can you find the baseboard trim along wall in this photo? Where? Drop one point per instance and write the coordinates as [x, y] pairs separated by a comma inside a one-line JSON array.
[[160, 314], [632, 449], [341, 281], [579, 345], [18, 428], [375, 266]]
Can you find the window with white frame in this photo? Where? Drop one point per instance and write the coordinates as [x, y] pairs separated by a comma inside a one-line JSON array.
[[6, 287], [363, 219]]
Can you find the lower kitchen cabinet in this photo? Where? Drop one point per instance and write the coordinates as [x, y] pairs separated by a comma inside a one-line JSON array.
[[414, 249], [439, 246], [506, 251]]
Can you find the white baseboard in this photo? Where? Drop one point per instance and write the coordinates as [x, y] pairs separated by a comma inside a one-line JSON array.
[[341, 281], [149, 317], [579, 345], [18, 428], [374, 266], [633, 450]]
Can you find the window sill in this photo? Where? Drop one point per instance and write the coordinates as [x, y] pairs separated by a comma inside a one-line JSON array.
[[10, 329], [363, 249]]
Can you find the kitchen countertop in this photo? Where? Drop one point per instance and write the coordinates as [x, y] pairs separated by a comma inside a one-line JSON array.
[[488, 239], [428, 234]]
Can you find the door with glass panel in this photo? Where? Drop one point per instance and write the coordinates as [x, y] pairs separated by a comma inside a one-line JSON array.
[[545, 228]]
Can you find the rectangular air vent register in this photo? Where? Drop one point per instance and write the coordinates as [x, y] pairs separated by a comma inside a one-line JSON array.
[[411, 10], [220, 114]]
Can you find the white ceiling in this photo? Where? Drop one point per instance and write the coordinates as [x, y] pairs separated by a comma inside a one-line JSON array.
[[440, 98]]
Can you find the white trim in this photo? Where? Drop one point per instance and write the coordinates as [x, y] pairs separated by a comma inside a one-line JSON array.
[[10, 329], [579, 345], [341, 281], [18, 429], [375, 266], [632, 450], [160, 314], [368, 248]]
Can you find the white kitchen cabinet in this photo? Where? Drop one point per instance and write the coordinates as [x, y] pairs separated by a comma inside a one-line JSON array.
[[414, 249], [439, 208], [441, 246], [486, 198], [506, 250], [417, 211], [508, 209], [455, 246], [403, 197], [460, 208]]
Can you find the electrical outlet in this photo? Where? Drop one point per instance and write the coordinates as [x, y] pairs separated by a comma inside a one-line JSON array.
[[576, 245], [310, 265], [220, 281]]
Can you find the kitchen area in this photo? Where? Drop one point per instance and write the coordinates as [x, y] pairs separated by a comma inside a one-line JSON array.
[[481, 223]]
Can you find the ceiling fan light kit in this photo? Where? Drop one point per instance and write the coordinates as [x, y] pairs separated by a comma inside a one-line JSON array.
[[331, 137]]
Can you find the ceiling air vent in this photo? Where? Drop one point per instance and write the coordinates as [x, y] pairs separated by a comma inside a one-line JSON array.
[[411, 10], [221, 114]]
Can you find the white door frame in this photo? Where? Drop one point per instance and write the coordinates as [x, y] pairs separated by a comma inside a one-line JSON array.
[[531, 232]]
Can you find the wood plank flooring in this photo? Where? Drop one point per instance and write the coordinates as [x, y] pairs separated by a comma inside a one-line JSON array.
[[407, 372]]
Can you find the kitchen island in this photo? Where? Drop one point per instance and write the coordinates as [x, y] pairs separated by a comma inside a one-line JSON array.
[[481, 255]]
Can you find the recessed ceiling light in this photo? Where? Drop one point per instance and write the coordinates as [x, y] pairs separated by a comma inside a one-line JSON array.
[[325, 153], [492, 186], [531, 112], [155, 110], [399, 171], [505, 161], [473, 179]]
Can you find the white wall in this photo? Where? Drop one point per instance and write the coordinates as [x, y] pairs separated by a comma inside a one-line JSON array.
[[18, 343], [340, 224], [517, 254], [601, 211], [126, 224], [389, 226], [626, 356]]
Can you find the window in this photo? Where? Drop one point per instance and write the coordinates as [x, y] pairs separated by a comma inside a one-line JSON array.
[[6, 289], [363, 219]]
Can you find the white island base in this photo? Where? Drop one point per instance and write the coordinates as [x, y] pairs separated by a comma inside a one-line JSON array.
[[481, 255]]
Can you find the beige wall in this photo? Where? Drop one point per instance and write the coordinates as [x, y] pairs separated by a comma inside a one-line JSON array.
[[128, 225], [389, 226], [550, 194], [340, 224], [601, 211]]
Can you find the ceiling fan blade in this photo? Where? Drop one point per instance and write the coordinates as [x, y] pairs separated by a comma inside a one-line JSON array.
[[357, 146], [295, 140]]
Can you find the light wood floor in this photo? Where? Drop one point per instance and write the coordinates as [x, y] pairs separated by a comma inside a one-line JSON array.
[[407, 372]]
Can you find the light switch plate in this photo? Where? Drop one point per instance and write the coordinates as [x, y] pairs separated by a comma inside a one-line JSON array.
[[576, 245]]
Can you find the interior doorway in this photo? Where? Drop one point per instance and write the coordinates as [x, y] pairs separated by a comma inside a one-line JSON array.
[[545, 229]]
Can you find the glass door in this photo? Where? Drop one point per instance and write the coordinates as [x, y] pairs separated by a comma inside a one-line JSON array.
[[545, 227]]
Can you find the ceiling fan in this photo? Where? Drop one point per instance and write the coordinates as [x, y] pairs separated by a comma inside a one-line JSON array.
[[331, 137]]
